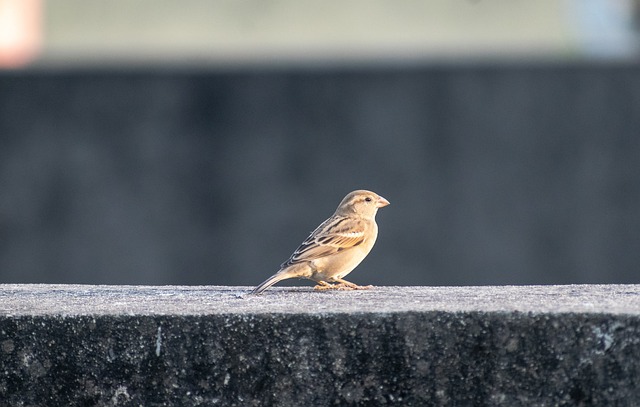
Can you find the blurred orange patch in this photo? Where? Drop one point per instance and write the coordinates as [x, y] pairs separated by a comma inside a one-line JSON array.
[[20, 32]]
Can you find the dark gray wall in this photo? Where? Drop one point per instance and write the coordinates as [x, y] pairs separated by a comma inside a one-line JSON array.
[[497, 174]]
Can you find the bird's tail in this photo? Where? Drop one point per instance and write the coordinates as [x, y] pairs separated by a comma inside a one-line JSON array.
[[279, 276]]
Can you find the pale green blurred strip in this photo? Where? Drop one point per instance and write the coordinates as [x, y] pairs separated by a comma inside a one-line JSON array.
[[258, 29]]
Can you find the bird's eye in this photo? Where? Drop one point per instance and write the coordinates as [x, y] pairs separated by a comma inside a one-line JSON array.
[[368, 199]]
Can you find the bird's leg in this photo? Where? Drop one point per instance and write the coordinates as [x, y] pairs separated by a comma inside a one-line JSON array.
[[346, 285], [323, 285]]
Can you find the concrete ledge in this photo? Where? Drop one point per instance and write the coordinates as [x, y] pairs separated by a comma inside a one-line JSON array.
[[465, 346]]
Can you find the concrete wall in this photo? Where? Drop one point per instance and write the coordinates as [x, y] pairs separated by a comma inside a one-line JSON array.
[[408, 346], [497, 174]]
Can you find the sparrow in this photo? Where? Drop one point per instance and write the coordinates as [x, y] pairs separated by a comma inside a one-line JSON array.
[[336, 247]]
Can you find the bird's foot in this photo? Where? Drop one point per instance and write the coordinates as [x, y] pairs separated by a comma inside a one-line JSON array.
[[342, 285], [346, 286], [323, 285]]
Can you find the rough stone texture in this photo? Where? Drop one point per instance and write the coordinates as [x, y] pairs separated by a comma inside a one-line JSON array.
[[464, 346]]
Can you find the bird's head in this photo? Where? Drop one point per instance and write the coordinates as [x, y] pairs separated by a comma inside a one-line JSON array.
[[362, 202]]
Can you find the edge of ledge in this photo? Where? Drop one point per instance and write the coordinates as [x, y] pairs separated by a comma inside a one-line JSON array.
[[79, 300]]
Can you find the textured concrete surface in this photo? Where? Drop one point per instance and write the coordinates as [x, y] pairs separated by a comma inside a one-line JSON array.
[[465, 346], [67, 300]]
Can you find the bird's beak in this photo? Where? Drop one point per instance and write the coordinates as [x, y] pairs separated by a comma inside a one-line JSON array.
[[381, 202]]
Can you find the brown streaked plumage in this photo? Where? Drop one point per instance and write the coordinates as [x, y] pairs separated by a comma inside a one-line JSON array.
[[336, 247]]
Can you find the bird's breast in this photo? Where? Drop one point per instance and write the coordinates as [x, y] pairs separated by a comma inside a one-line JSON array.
[[342, 263]]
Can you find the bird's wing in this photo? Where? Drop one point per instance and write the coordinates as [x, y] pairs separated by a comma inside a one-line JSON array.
[[336, 234]]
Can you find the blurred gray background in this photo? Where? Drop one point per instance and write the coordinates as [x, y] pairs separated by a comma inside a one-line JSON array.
[[200, 142]]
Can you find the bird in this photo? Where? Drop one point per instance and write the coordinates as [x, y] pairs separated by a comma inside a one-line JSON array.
[[336, 247]]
